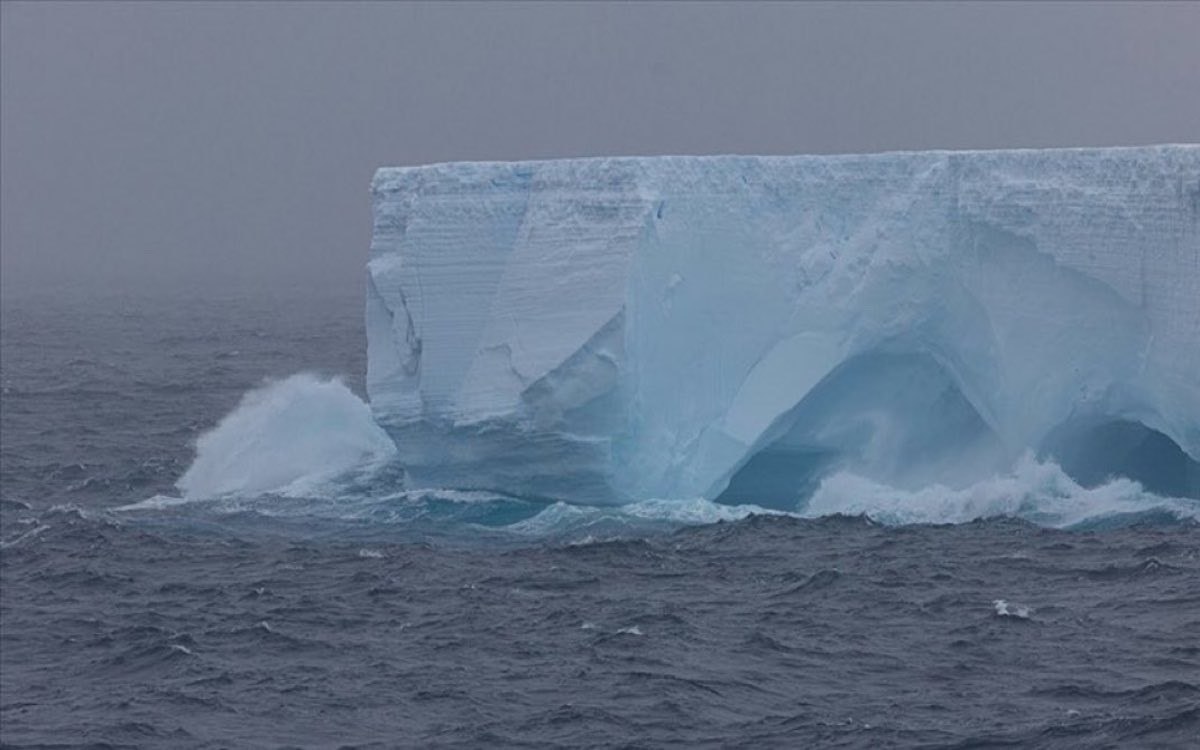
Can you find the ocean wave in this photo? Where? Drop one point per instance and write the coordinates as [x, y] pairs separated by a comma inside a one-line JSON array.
[[307, 447], [290, 437], [1035, 490]]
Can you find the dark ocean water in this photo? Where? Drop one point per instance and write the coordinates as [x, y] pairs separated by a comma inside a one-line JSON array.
[[362, 615]]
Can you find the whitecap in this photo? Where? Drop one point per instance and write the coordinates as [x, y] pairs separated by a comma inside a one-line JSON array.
[[561, 517], [1035, 490], [158, 502], [289, 437], [27, 535], [1005, 609]]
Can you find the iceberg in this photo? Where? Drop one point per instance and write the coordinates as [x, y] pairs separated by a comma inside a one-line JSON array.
[[614, 330]]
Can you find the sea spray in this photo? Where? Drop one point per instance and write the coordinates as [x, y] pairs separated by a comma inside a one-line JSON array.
[[1035, 490], [286, 437]]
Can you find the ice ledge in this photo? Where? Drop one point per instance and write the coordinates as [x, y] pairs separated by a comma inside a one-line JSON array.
[[607, 329], [475, 177]]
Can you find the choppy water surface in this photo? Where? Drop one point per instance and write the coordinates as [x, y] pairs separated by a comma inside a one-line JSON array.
[[287, 594]]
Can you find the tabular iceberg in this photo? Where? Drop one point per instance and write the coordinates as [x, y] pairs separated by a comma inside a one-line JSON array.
[[614, 329]]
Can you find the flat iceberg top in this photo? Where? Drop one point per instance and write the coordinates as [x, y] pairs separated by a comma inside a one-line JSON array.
[[610, 329], [596, 173]]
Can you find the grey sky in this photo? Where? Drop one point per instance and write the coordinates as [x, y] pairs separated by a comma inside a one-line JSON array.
[[208, 145]]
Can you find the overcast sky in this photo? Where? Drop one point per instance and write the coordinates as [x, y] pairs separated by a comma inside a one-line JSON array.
[[203, 146]]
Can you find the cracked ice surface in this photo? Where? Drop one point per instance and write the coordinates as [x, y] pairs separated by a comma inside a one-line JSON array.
[[615, 329]]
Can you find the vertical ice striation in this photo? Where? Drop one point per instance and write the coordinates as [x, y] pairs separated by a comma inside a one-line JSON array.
[[605, 330]]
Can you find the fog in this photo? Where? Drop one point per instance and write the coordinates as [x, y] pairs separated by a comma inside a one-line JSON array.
[[202, 148]]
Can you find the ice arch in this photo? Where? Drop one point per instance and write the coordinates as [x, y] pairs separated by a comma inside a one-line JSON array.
[[899, 418], [1094, 450]]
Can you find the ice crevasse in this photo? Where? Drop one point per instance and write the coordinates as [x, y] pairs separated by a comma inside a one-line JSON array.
[[606, 330]]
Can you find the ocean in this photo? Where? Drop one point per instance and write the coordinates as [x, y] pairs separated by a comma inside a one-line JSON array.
[[306, 602]]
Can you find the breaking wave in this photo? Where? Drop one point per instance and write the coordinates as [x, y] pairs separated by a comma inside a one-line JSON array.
[[1035, 490], [307, 447], [289, 437]]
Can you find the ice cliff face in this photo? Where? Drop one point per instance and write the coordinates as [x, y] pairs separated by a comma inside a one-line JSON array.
[[603, 330]]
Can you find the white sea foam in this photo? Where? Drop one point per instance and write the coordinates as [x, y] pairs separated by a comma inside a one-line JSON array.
[[1006, 609], [288, 437], [22, 537], [1038, 491], [158, 502], [307, 437], [561, 517]]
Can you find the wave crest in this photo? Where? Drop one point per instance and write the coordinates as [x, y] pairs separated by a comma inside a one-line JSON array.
[[288, 437], [1037, 491], [312, 440]]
